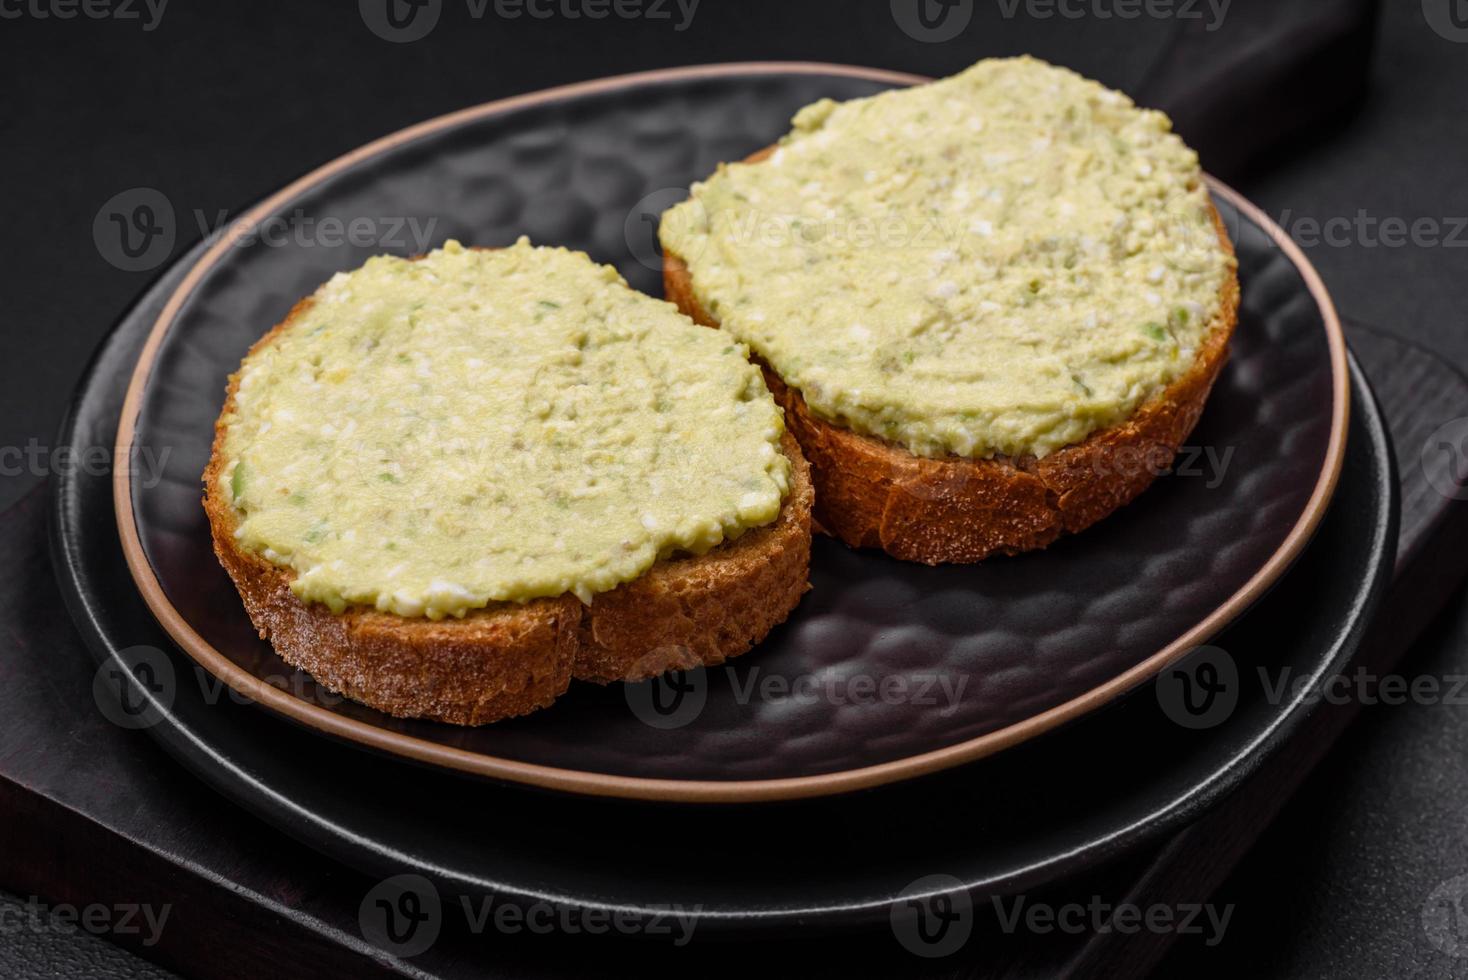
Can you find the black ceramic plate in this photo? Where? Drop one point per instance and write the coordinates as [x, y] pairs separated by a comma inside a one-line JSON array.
[[1047, 808], [887, 670]]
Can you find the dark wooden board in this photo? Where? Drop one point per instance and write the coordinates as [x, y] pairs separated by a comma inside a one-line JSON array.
[[1417, 393], [96, 814]]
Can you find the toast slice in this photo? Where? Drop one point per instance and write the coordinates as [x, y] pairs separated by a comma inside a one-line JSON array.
[[872, 492], [511, 658]]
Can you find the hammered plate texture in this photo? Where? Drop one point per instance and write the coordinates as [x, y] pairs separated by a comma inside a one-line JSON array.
[[1026, 634]]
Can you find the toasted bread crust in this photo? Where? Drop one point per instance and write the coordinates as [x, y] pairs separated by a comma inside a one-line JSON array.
[[512, 658], [871, 493]]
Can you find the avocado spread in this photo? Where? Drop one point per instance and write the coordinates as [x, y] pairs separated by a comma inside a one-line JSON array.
[[1001, 262], [432, 436]]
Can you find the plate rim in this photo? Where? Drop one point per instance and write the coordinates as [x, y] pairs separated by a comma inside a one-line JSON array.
[[653, 789]]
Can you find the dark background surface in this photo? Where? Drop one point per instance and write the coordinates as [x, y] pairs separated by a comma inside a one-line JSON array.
[[218, 105]]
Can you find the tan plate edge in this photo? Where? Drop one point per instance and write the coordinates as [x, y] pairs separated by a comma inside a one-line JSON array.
[[671, 790]]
